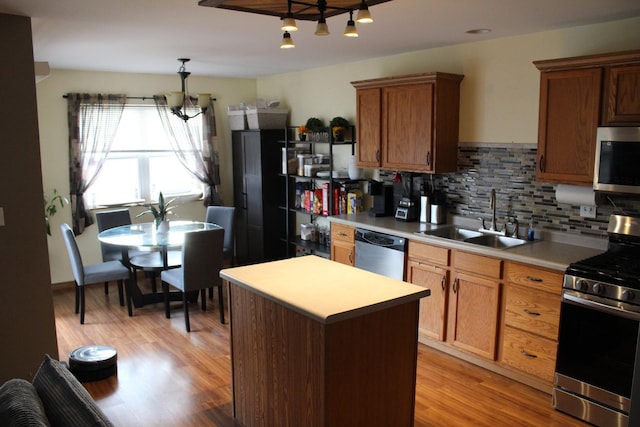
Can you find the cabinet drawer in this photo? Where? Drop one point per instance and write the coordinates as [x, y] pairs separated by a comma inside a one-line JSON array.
[[478, 264], [343, 233], [532, 311], [424, 252], [535, 278], [529, 353]]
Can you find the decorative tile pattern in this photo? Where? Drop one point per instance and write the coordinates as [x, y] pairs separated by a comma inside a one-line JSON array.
[[510, 170]]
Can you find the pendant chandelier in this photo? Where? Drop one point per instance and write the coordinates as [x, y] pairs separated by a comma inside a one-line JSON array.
[[322, 29], [178, 102]]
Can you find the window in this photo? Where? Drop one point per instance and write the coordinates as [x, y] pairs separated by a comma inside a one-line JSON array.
[[140, 164]]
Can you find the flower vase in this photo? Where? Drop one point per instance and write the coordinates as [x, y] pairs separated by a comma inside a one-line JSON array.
[[303, 137], [162, 227]]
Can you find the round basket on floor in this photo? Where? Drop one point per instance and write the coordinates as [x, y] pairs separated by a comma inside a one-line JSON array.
[[93, 362]]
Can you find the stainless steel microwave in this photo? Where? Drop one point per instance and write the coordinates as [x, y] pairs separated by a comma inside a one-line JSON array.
[[617, 163]]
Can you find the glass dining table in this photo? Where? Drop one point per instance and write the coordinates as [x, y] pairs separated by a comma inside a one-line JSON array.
[[145, 237]]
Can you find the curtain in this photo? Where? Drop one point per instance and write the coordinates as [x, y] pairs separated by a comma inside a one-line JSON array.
[[194, 148], [93, 121]]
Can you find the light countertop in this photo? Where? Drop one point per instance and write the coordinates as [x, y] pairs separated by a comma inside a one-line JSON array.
[[554, 251], [324, 290]]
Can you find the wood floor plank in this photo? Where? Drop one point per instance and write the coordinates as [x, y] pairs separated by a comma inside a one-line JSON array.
[[168, 377]]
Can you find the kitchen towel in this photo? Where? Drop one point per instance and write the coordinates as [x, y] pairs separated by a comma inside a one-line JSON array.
[[575, 195]]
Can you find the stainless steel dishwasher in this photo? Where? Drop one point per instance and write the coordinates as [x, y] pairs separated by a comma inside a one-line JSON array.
[[380, 253]]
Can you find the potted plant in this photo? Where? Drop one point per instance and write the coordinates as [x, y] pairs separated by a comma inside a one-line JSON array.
[[160, 213], [339, 126], [51, 207], [315, 125]]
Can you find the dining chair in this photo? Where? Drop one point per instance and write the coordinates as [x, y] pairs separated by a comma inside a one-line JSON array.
[[91, 274], [201, 264], [148, 262], [224, 216]]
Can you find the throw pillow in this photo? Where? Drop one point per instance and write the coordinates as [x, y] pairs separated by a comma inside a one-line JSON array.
[[20, 405], [66, 402]]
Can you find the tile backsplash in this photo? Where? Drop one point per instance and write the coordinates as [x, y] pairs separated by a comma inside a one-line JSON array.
[[510, 170]]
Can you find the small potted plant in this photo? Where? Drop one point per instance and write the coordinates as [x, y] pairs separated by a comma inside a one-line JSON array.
[[302, 133], [315, 126], [339, 126], [51, 207], [160, 213]]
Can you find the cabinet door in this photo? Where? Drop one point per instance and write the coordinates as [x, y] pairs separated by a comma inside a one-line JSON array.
[[343, 253], [433, 309], [368, 117], [569, 113], [473, 318], [407, 127], [622, 96]]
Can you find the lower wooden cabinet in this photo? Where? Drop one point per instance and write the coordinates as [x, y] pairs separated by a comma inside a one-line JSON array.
[[531, 319], [343, 244], [499, 314], [433, 309]]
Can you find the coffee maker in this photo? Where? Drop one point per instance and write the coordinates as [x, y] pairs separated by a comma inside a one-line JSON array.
[[407, 204], [382, 199]]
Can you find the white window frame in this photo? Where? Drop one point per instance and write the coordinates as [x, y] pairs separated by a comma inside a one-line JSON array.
[[143, 191]]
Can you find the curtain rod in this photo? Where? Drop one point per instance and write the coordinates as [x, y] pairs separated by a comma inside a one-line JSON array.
[[144, 98]]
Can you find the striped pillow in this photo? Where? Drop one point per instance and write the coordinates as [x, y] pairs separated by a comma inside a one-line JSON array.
[[66, 402]]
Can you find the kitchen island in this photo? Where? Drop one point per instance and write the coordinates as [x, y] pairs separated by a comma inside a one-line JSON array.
[[317, 343]]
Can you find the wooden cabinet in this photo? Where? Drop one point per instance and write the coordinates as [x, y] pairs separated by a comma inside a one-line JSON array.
[[343, 245], [622, 96], [576, 96], [531, 317], [569, 111], [474, 303], [409, 123], [421, 271], [257, 195], [463, 307]]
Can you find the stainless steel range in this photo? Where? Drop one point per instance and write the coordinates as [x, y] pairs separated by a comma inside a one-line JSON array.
[[596, 374]]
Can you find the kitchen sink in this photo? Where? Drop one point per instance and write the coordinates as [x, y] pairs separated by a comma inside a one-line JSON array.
[[475, 237], [453, 233], [496, 242]]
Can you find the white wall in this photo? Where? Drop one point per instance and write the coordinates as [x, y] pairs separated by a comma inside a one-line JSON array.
[[52, 116], [500, 91], [499, 99]]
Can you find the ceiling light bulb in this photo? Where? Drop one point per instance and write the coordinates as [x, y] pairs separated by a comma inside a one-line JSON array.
[[351, 31], [322, 29], [289, 23], [287, 41], [364, 16]]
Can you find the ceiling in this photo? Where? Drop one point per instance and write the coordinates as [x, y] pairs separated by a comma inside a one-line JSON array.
[[147, 36]]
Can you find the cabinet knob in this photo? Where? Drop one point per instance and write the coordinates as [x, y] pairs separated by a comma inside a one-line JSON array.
[[378, 156], [429, 158], [455, 285], [541, 164], [443, 282]]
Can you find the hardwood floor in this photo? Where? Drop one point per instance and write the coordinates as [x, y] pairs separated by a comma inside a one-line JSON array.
[[168, 377]]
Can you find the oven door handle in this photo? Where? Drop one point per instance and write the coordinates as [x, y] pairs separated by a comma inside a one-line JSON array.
[[590, 301]]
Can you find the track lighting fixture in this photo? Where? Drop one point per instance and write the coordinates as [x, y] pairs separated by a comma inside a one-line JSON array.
[[305, 12]]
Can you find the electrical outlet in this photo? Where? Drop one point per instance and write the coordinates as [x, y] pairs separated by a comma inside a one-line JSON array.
[[588, 211]]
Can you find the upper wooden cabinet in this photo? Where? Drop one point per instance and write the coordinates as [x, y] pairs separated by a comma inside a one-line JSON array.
[[576, 96], [409, 123]]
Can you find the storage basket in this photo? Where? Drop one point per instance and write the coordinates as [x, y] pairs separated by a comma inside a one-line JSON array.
[[266, 118], [237, 119]]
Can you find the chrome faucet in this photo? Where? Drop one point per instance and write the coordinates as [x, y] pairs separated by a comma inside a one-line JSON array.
[[493, 228]]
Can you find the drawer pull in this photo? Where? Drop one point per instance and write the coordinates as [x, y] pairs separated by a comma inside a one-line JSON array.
[[534, 279], [531, 313], [525, 353], [342, 234]]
